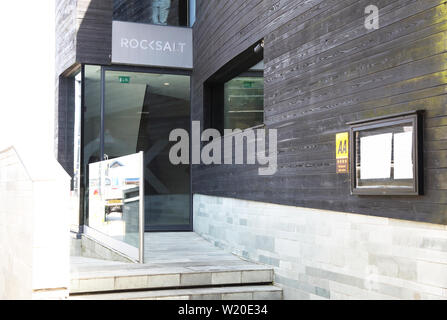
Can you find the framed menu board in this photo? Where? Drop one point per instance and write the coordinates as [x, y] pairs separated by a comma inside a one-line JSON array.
[[387, 155]]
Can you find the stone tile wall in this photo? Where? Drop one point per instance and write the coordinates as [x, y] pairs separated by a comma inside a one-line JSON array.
[[320, 254]]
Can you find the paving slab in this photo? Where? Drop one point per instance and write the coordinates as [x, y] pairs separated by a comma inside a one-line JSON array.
[[171, 260]]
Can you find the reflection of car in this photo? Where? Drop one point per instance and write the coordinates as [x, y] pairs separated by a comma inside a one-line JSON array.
[[118, 177], [114, 205], [116, 192]]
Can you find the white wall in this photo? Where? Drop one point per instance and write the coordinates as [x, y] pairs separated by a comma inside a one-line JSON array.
[[16, 228], [34, 189], [34, 230], [27, 76]]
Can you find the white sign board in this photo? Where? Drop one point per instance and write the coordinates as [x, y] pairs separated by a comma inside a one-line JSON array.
[[375, 156], [403, 155], [152, 45]]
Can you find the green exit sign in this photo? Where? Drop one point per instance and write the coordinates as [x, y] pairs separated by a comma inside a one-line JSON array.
[[124, 79], [248, 84]]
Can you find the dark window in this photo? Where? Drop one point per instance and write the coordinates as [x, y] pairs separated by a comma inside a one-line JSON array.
[[161, 12], [192, 12], [91, 129], [139, 115], [244, 99], [234, 95]]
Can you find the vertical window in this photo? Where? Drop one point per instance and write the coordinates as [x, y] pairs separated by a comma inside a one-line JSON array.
[[77, 134], [192, 12], [91, 133], [92, 114]]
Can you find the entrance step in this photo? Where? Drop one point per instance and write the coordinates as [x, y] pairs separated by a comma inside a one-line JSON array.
[[140, 277], [218, 293], [178, 266]]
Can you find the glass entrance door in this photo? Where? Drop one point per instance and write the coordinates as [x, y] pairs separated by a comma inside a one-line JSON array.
[[139, 112]]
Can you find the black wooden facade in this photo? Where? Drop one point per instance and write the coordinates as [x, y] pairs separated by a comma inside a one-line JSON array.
[[323, 68]]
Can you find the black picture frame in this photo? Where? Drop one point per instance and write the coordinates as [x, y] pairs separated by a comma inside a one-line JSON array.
[[415, 118]]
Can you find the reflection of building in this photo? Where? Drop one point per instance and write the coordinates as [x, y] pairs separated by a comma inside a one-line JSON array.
[[160, 11], [314, 74]]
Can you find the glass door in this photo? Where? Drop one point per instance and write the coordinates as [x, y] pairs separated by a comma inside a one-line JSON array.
[[140, 111]]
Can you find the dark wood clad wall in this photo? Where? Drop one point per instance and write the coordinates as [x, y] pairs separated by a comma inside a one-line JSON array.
[[94, 36], [323, 68], [65, 58], [83, 35]]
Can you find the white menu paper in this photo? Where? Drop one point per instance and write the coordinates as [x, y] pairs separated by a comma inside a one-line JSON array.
[[375, 156], [403, 160]]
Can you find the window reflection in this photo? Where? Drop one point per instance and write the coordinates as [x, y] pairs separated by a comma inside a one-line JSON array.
[[244, 99], [160, 12], [141, 109], [92, 125], [192, 12]]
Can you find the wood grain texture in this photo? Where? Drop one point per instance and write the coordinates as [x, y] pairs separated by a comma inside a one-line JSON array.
[[323, 68], [65, 59], [83, 33], [94, 31], [83, 36]]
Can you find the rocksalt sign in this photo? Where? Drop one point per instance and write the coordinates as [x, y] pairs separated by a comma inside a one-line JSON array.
[[151, 45]]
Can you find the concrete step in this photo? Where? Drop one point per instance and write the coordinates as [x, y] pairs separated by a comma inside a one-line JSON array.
[[142, 277], [248, 292], [178, 266]]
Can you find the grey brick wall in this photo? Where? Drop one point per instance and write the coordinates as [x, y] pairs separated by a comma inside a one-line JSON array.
[[321, 254]]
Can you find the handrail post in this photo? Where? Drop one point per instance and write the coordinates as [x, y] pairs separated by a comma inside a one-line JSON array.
[[141, 209]]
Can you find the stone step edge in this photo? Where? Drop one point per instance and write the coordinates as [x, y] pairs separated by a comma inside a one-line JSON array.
[[174, 280], [137, 272], [253, 292]]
